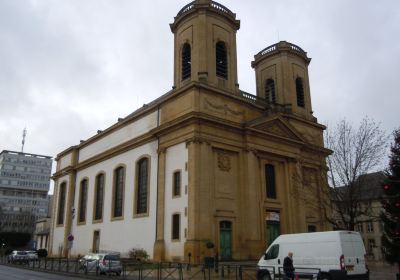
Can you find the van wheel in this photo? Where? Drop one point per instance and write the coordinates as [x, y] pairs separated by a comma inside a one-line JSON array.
[[324, 277], [266, 277]]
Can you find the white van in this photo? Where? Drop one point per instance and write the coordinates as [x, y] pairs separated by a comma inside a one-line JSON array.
[[328, 254]]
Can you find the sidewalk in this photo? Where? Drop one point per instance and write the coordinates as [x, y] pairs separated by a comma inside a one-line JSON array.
[[382, 271]]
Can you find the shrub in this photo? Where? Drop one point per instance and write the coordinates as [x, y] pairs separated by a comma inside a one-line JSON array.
[[138, 254]]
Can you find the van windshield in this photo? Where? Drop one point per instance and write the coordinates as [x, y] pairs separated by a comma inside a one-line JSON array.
[[272, 253]]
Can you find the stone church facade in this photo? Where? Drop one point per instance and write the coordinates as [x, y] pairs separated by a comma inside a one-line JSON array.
[[205, 162]]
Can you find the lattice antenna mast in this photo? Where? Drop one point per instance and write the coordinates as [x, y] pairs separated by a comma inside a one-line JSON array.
[[23, 139]]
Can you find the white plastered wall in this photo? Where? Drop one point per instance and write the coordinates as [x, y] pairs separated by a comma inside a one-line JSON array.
[[126, 133], [176, 158], [65, 161], [121, 235]]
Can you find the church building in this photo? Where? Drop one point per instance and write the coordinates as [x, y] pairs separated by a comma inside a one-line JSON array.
[[205, 168]]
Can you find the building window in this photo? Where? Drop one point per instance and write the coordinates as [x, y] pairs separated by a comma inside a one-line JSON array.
[[221, 60], [300, 92], [370, 227], [118, 195], [82, 201], [359, 228], [176, 223], [99, 197], [186, 62], [96, 241], [270, 181], [371, 245], [176, 184], [61, 203], [270, 91], [142, 185]]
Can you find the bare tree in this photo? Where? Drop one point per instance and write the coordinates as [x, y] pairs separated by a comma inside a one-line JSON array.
[[356, 152]]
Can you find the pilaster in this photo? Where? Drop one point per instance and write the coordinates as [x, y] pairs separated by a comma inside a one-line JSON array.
[[70, 202], [159, 245], [200, 209], [251, 205]]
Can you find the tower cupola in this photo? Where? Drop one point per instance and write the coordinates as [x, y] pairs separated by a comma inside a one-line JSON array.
[[282, 77], [205, 45]]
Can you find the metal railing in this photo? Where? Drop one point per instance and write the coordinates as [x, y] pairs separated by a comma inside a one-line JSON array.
[[158, 271], [214, 5], [281, 46]]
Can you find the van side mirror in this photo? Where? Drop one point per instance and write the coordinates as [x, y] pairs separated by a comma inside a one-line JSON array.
[[265, 256]]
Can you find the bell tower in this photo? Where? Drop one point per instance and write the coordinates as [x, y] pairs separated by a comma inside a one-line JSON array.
[[282, 78], [205, 45]]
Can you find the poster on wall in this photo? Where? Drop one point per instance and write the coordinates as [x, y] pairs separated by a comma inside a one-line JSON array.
[[272, 216]]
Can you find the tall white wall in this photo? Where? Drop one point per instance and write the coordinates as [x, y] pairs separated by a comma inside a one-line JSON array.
[[126, 133], [176, 158], [121, 235]]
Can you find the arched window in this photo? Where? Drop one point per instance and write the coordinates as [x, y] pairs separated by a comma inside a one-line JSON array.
[[142, 185], [118, 195], [221, 60], [186, 62], [82, 201], [99, 197], [300, 92], [270, 91], [61, 203]]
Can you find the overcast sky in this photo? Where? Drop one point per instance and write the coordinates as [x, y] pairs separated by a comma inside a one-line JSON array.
[[69, 68]]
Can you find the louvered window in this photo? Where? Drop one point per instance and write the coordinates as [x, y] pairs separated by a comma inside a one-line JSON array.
[[270, 91], [300, 92], [186, 62], [221, 60]]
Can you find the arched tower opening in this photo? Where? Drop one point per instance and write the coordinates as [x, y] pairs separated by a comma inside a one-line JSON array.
[[205, 45], [282, 78]]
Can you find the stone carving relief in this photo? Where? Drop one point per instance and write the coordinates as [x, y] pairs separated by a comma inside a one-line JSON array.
[[224, 162], [224, 108]]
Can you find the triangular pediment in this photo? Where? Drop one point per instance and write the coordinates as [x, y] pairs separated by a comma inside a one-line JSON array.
[[276, 126]]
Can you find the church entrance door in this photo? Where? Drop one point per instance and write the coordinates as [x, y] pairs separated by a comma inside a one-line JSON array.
[[273, 231], [225, 240]]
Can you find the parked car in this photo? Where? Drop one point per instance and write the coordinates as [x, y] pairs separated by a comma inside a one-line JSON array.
[[103, 263], [87, 259], [17, 256], [32, 255]]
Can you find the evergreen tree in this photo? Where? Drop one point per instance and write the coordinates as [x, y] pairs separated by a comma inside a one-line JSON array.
[[391, 204]]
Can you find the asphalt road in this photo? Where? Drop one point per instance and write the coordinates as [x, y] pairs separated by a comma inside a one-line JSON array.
[[13, 273]]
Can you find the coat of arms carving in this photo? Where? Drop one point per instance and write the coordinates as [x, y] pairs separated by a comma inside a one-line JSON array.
[[224, 162]]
